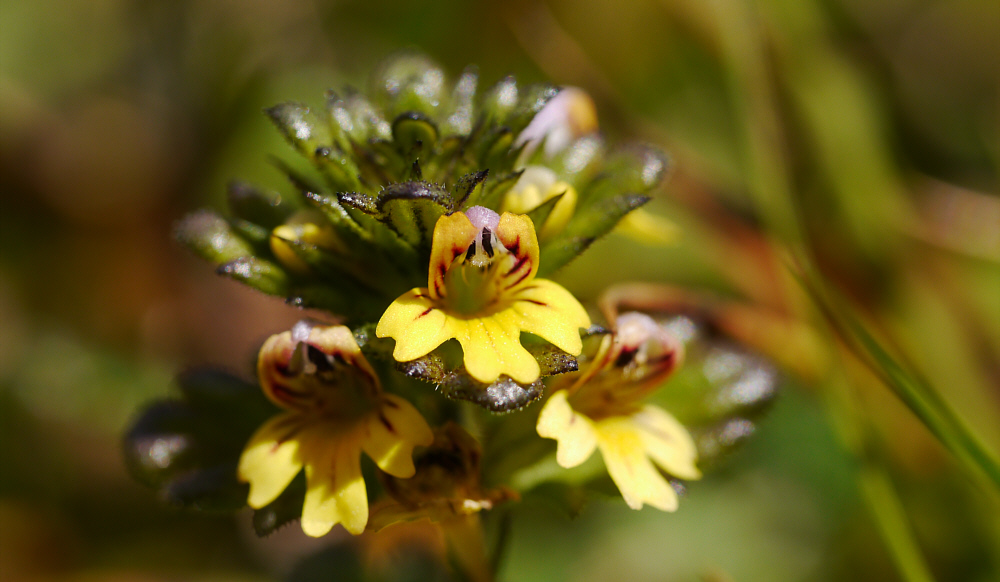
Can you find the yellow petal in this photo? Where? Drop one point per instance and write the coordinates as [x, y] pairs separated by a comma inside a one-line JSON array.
[[573, 432], [516, 233], [561, 213], [271, 459], [335, 489], [392, 434], [625, 457], [551, 312], [452, 236], [492, 346], [667, 442], [280, 242], [415, 323]]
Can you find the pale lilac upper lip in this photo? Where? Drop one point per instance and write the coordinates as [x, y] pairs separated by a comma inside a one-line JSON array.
[[480, 217]]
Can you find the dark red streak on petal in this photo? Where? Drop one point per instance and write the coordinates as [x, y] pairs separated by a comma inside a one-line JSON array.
[[521, 278], [386, 423], [284, 393], [520, 263]]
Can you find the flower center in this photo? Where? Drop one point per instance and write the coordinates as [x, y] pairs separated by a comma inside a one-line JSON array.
[[336, 390], [475, 281]]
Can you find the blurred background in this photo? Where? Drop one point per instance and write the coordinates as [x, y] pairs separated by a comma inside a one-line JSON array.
[[865, 134]]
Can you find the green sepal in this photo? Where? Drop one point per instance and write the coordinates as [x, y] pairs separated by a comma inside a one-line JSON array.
[[365, 239], [458, 116], [414, 134], [338, 168], [211, 237], [302, 128], [286, 508], [493, 150], [587, 225], [468, 187], [443, 368], [188, 448], [637, 168], [411, 209], [258, 237], [341, 121], [260, 274], [578, 161], [541, 213], [248, 203], [295, 176], [346, 278], [322, 296], [367, 123], [533, 98], [499, 101], [490, 194], [408, 82]]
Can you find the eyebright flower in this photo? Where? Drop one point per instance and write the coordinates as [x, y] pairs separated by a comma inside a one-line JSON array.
[[601, 410], [482, 291], [536, 186], [568, 116], [335, 410]]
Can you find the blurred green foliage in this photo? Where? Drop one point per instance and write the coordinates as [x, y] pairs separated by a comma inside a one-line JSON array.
[[861, 138]]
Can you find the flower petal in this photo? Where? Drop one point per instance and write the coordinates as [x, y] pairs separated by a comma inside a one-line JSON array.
[[624, 455], [392, 434], [516, 233], [415, 323], [549, 311], [667, 442], [335, 489], [574, 432], [452, 236], [271, 459], [492, 346]]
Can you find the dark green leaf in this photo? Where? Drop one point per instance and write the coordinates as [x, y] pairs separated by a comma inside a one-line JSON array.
[[283, 510], [211, 237], [302, 128], [214, 489], [266, 209], [257, 273], [586, 226]]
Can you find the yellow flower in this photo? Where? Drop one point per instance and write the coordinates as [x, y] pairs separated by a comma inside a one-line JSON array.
[[302, 228], [536, 186], [482, 291], [600, 410], [335, 409]]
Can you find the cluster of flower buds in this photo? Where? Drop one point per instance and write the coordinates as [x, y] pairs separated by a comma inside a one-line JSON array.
[[429, 225]]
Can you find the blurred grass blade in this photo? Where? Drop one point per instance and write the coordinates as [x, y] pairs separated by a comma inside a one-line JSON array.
[[890, 518], [921, 398]]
